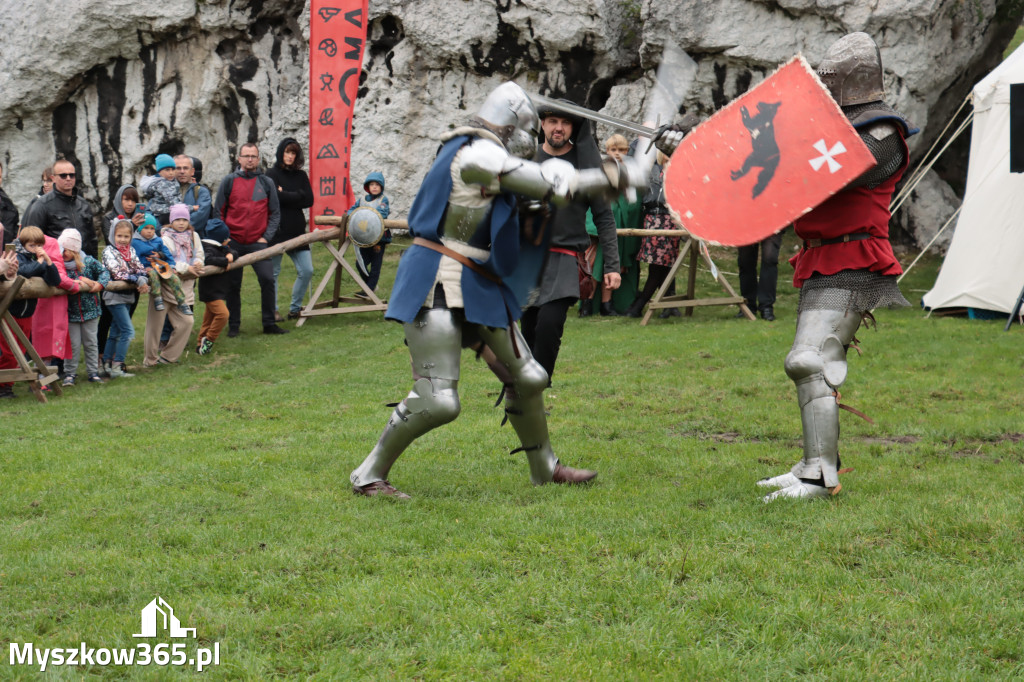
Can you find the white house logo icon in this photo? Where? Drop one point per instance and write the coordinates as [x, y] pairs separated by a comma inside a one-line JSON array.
[[160, 610]]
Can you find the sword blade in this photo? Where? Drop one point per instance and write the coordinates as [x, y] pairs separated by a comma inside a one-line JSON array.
[[542, 101]]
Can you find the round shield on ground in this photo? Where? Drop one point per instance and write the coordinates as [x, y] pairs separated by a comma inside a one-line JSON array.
[[365, 226]]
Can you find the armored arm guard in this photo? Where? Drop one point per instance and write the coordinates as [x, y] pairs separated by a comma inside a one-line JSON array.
[[482, 162], [612, 179]]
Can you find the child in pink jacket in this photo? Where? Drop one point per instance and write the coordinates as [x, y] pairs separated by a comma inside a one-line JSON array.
[[50, 321]]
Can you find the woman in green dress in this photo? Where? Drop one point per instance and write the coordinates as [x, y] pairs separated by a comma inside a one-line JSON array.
[[628, 215]]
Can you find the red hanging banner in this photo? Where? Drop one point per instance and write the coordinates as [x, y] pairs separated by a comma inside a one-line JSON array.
[[337, 36]]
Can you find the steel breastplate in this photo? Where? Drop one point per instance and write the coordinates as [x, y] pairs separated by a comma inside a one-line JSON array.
[[468, 224], [469, 207]]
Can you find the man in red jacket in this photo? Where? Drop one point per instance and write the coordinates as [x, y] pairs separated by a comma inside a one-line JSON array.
[[247, 203], [846, 268]]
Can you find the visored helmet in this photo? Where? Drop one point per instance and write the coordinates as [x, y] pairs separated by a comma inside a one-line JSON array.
[[852, 70], [510, 114]]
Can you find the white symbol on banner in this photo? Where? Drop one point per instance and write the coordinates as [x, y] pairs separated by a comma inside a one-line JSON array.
[[827, 156], [170, 622]]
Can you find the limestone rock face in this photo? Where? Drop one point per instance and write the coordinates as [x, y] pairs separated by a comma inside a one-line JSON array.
[[111, 84], [927, 212]]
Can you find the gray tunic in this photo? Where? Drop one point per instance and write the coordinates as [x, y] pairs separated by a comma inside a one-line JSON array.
[[569, 231]]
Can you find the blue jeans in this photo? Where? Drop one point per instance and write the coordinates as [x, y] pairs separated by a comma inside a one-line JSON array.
[[303, 261], [121, 333]]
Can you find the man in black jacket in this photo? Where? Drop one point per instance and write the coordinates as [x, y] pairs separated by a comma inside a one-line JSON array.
[[8, 213], [194, 195], [63, 208], [568, 138]]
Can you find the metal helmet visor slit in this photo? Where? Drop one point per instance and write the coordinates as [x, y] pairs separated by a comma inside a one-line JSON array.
[[852, 70], [513, 116]]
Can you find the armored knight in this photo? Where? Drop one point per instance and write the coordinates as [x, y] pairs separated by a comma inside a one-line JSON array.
[[454, 286], [846, 267]]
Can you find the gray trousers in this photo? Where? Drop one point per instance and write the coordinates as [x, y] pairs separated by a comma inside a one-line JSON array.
[[84, 335]]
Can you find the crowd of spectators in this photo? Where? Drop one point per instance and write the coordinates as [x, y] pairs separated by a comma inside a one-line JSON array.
[[158, 238], [165, 234]]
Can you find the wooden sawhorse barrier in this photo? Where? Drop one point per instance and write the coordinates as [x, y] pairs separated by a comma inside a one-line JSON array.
[[12, 334], [333, 305], [692, 250]]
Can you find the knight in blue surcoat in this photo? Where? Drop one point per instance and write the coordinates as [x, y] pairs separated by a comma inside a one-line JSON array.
[[470, 270]]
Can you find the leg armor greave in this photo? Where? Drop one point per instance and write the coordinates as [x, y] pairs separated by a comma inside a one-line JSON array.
[[817, 365], [434, 339], [525, 381]]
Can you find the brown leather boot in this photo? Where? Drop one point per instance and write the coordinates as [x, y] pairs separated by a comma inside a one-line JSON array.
[[564, 474]]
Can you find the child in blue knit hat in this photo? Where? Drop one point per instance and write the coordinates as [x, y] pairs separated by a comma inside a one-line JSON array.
[[149, 246], [373, 256], [161, 190]]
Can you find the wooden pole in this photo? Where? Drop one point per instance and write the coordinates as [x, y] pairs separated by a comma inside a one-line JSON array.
[[36, 288], [339, 220], [641, 232]]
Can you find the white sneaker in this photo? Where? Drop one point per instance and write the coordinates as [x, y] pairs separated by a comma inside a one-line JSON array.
[[802, 490], [781, 481], [117, 371]]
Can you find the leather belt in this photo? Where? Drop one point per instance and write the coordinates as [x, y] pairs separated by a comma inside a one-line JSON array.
[[478, 269], [852, 237], [566, 252], [455, 255]]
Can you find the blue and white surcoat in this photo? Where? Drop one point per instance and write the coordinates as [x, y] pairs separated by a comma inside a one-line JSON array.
[[494, 244]]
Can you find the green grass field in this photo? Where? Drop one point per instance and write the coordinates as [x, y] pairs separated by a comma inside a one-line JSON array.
[[1018, 38], [221, 485]]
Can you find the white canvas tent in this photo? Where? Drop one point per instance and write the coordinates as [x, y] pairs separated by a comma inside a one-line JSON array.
[[985, 264]]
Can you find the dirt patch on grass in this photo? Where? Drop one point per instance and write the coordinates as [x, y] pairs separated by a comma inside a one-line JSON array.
[[727, 437], [970, 454], [996, 438], [896, 440], [974, 448]]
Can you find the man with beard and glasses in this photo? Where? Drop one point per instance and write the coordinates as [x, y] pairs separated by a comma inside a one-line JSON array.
[[247, 203]]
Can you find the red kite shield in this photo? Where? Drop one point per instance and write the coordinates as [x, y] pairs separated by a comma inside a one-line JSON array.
[[764, 160]]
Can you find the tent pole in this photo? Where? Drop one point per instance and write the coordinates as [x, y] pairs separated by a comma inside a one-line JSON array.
[[921, 171], [929, 245], [1015, 311]]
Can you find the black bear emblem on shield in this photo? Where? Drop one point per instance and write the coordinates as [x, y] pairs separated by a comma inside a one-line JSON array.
[[764, 152]]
